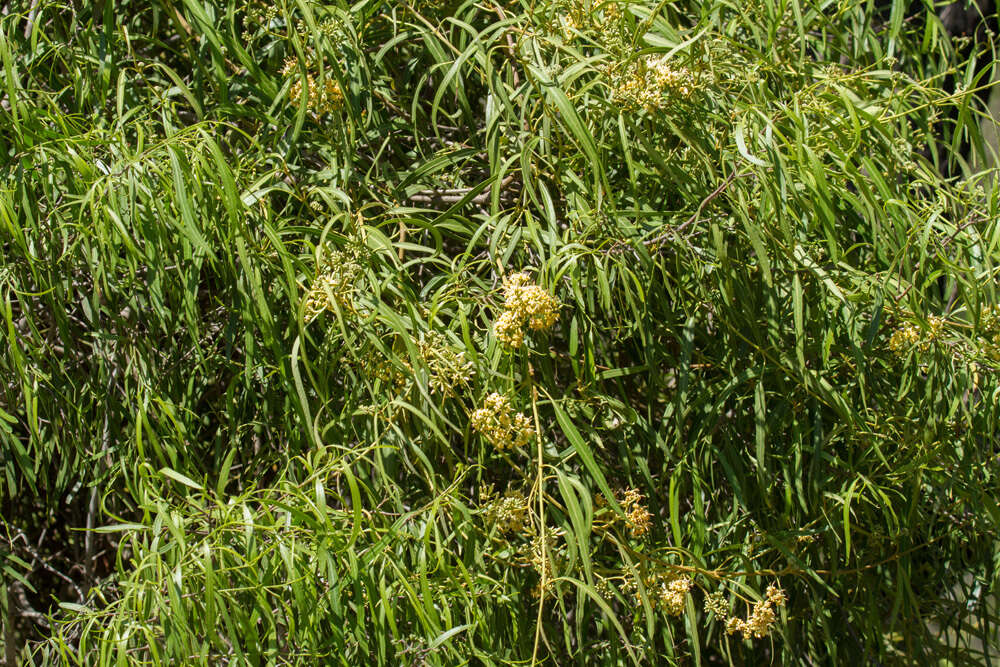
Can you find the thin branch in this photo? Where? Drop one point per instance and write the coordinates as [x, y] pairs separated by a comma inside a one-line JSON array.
[[88, 539], [511, 48], [37, 559], [25, 609], [455, 195], [694, 217], [9, 640]]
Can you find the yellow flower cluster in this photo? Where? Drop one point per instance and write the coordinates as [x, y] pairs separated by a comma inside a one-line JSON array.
[[989, 322], [653, 84], [672, 595], [667, 591], [910, 336], [499, 424], [935, 328], [990, 319], [904, 338], [524, 304], [571, 24], [508, 330], [334, 285], [320, 99], [263, 20], [717, 604], [510, 513], [389, 374], [544, 560], [447, 366], [761, 618], [578, 18], [637, 517]]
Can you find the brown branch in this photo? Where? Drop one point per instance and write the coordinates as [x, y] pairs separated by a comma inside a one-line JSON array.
[[25, 608], [511, 48], [694, 217], [39, 560]]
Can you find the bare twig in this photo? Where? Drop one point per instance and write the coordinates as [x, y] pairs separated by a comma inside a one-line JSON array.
[[37, 559], [10, 650], [32, 15], [25, 608], [694, 217], [455, 195], [511, 48]]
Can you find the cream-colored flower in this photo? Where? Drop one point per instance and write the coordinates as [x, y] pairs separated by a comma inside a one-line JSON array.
[[447, 366], [637, 516], [509, 330], [910, 336], [498, 423], [334, 284], [903, 339], [760, 621], [762, 618], [717, 604], [319, 99], [776, 595], [667, 591], [653, 83], [673, 595], [524, 304], [510, 513]]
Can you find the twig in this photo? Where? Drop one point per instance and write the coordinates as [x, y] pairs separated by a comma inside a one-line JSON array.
[[543, 537], [26, 610], [694, 217], [37, 559], [10, 650], [511, 48], [32, 15], [88, 539], [455, 195]]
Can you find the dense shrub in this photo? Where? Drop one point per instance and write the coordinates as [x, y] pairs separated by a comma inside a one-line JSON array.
[[480, 332]]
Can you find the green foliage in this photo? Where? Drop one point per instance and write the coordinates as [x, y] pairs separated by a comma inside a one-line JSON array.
[[253, 255]]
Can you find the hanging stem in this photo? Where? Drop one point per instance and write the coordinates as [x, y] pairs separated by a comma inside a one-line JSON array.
[[539, 486]]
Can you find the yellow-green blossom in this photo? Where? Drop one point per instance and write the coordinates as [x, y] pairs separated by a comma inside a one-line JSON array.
[[525, 304], [499, 424], [510, 513], [320, 99], [763, 616], [653, 83]]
